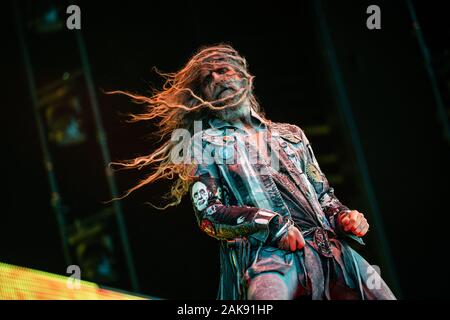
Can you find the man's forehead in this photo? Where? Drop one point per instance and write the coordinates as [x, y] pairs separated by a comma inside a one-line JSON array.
[[207, 71], [217, 57], [221, 61], [198, 186]]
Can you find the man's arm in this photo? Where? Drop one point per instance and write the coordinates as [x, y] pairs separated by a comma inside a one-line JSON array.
[[228, 222], [340, 216]]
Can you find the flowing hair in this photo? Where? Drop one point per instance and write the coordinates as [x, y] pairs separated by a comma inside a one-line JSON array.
[[177, 105]]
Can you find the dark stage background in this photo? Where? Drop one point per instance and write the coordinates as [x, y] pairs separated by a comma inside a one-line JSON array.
[[370, 114]]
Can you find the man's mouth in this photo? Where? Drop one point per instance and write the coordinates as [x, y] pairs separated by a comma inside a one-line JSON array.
[[222, 92]]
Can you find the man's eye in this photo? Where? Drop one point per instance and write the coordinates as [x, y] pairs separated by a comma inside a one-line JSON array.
[[222, 70], [207, 79]]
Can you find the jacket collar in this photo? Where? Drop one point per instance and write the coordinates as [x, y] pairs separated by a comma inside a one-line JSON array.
[[219, 124]]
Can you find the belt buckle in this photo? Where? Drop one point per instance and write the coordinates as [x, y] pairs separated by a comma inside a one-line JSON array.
[[322, 242]]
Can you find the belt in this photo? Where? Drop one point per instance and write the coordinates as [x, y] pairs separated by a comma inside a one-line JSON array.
[[320, 240]]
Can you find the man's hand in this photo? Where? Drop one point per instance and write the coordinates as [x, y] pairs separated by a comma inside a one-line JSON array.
[[353, 221], [292, 240]]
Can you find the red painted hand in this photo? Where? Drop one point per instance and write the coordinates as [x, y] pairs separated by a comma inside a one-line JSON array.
[[292, 240], [353, 221]]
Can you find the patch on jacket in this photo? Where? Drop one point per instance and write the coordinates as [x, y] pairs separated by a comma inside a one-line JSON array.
[[207, 227], [315, 177], [292, 137], [288, 132], [200, 195]]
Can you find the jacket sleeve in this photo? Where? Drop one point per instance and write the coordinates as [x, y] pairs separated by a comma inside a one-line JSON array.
[[228, 222], [325, 193], [330, 204]]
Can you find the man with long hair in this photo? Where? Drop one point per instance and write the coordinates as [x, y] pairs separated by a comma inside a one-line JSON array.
[[255, 186]]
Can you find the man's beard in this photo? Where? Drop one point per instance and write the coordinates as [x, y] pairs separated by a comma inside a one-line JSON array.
[[233, 113]]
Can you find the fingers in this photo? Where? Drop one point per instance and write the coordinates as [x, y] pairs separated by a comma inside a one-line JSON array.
[[296, 240], [299, 239], [362, 228], [344, 218], [284, 242], [350, 220], [364, 231], [354, 222], [292, 240]]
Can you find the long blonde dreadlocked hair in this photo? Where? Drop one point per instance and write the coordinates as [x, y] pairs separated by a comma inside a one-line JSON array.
[[178, 105]]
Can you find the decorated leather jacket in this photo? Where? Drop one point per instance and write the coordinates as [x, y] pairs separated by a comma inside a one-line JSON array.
[[236, 199]]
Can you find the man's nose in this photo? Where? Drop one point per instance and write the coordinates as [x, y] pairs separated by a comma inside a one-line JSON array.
[[216, 76]]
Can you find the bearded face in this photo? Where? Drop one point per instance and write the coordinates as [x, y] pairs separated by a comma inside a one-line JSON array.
[[214, 82], [200, 195], [220, 83]]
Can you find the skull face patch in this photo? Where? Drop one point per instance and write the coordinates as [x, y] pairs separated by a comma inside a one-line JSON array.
[[315, 177], [200, 195]]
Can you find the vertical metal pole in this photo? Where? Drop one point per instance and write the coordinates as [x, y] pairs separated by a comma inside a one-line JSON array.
[[345, 107], [102, 140], [442, 114], [55, 200]]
